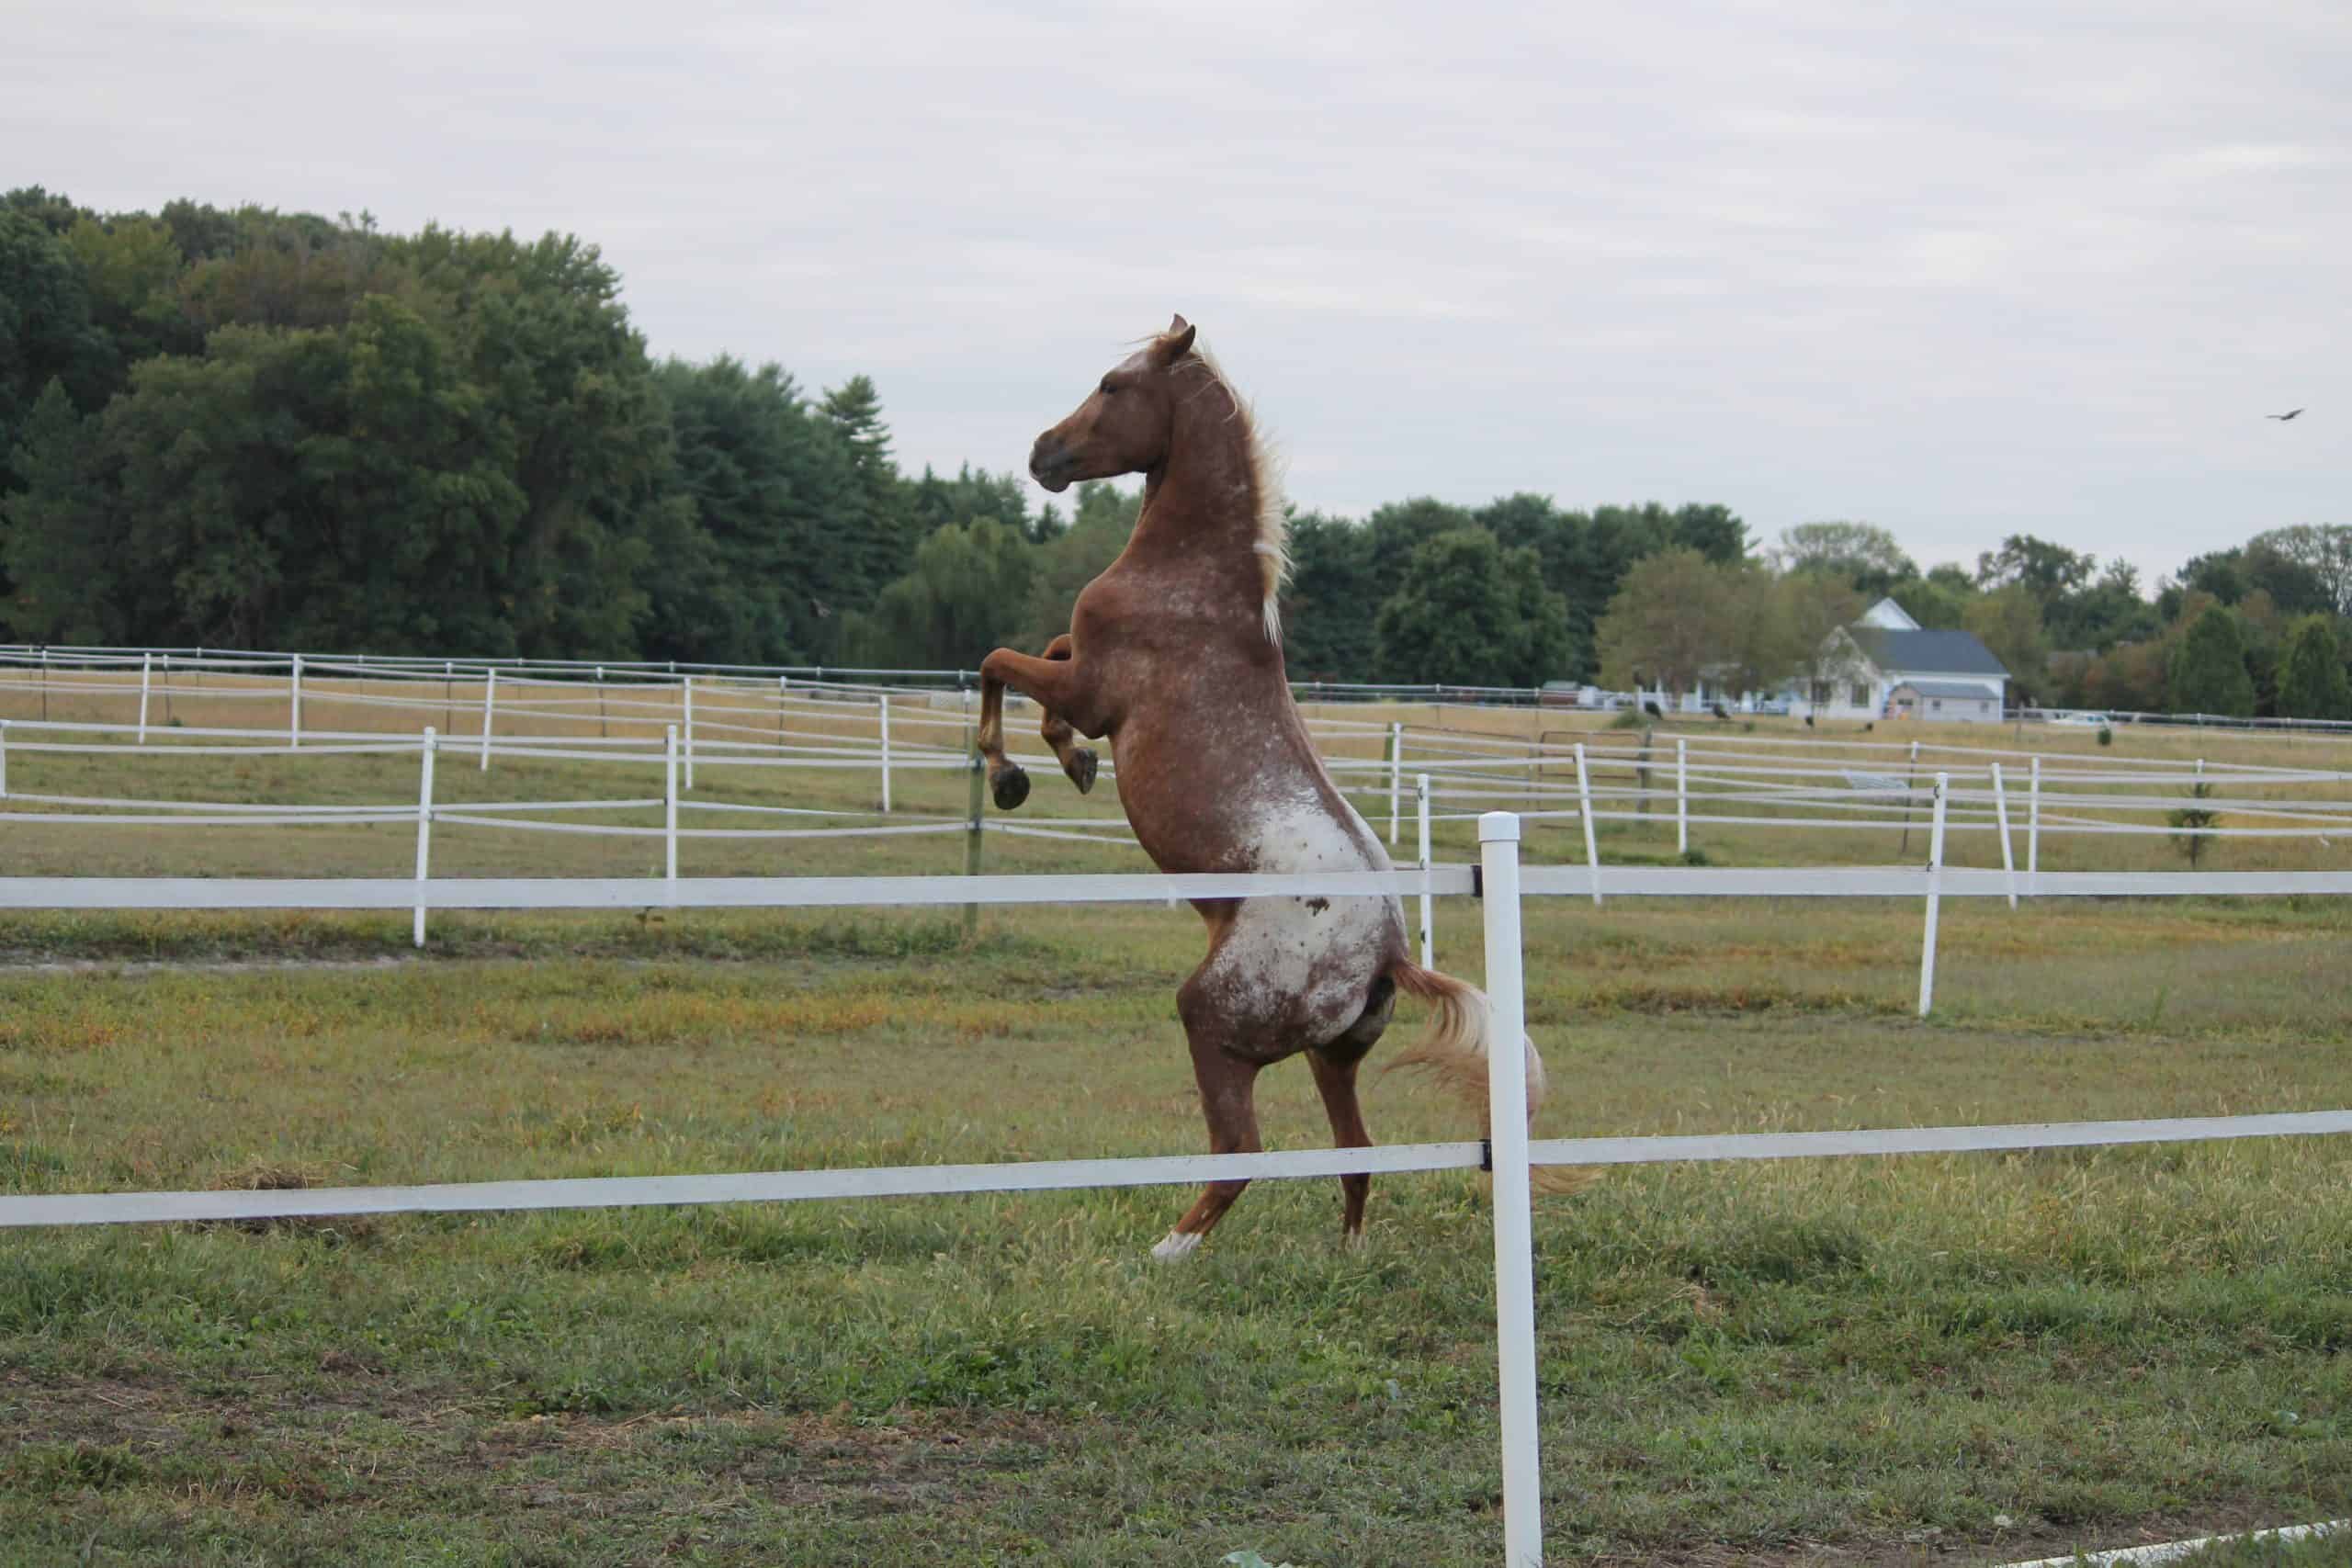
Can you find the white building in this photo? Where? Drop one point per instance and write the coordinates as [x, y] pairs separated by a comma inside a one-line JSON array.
[[1886, 664]]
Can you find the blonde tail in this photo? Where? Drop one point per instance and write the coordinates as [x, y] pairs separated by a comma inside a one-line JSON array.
[[1454, 1049]]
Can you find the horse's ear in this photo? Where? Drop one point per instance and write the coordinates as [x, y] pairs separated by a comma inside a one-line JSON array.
[[1175, 342]]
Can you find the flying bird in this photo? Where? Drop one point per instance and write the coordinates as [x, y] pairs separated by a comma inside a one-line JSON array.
[[2282, 417]]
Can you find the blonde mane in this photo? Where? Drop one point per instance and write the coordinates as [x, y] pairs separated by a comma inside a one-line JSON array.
[[1271, 545]]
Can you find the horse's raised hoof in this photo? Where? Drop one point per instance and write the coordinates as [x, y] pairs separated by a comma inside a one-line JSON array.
[[1010, 786], [1080, 767], [1175, 1247]]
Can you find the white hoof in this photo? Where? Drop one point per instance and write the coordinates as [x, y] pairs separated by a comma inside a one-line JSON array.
[[1175, 1247]]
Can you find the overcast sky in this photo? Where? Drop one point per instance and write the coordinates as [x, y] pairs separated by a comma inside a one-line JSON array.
[[1959, 270]]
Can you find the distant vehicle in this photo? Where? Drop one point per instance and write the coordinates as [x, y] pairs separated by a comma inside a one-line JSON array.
[[1561, 694], [2092, 720], [1772, 704]]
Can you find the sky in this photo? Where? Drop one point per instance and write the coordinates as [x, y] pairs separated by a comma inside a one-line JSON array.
[[1961, 271]]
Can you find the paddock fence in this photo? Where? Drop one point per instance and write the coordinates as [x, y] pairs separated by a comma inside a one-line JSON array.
[[1499, 880], [800, 725]]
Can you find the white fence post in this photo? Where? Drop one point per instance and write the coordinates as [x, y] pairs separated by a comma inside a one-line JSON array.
[[670, 815], [1935, 896], [1395, 776], [689, 732], [1514, 1225], [1681, 796], [489, 711], [2001, 824], [4, 759], [2033, 826], [146, 673], [1429, 941], [424, 832], [294, 708], [882, 706], [1584, 812]]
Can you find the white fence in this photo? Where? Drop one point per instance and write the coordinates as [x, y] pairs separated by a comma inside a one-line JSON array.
[[1510, 1153], [1704, 780], [1764, 788]]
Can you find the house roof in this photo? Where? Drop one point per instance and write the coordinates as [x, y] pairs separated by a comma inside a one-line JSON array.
[[1888, 614], [1946, 689], [1943, 652]]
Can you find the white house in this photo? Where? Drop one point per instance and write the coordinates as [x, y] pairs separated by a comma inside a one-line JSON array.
[[1886, 663]]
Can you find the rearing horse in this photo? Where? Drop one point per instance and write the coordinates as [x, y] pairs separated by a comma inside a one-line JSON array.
[[1175, 653]]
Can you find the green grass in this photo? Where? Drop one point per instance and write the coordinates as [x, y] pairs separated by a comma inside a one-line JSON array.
[[2327, 1551], [1888, 1356], [1944, 1359]]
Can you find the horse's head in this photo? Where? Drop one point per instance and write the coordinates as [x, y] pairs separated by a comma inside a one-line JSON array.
[[1122, 426]]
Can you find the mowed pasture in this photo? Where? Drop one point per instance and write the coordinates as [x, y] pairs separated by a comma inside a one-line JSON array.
[[1938, 1358]]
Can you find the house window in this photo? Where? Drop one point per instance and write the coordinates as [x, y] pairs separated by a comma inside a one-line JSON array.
[[1861, 693], [1935, 704], [1821, 698]]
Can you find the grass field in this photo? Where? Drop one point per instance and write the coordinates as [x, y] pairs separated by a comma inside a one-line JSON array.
[[1937, 1359]]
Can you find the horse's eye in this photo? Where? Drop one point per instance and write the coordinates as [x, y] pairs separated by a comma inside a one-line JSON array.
[[1107, 388]]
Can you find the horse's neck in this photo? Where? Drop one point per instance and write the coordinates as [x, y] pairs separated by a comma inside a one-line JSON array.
[[1199, 511]]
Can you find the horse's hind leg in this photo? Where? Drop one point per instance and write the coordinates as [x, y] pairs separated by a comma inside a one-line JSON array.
[[1078, 760], [1228, 1100], [1334, 1066]]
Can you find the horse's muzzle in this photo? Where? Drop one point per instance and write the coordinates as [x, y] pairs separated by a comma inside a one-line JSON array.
[[1050, 462]]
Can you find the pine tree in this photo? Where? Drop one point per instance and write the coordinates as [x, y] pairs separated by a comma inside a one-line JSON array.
[[2209, 672], [2313, 683], [881, 534]]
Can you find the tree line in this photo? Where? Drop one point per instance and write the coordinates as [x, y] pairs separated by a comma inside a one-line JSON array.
[[2258, 630], [248, 428]]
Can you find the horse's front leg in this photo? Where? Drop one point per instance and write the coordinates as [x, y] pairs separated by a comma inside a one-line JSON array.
[[1078, 760], [1056, 685]]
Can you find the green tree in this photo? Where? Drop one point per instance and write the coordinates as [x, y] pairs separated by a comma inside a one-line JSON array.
[[2009, 622], [931, 502], [1795, 625], [2322, 549], [773, 571], [55, 547], [131, 268], [1863, 554], [2050, 572], [1543, 644], [1105, 517], [1332, 600], [569, 396], [2191, 823], [1938, 600], [966, 593], [1450, 620], [2113, 610], [46, 331], [882, 534], [2313, 683], [1677, 616], [2209, 672]]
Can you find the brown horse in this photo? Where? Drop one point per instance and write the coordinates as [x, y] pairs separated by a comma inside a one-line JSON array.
[[1175, 653]]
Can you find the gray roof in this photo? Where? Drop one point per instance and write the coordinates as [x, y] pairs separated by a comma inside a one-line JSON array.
[[1946, 689], [1945, 652]]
